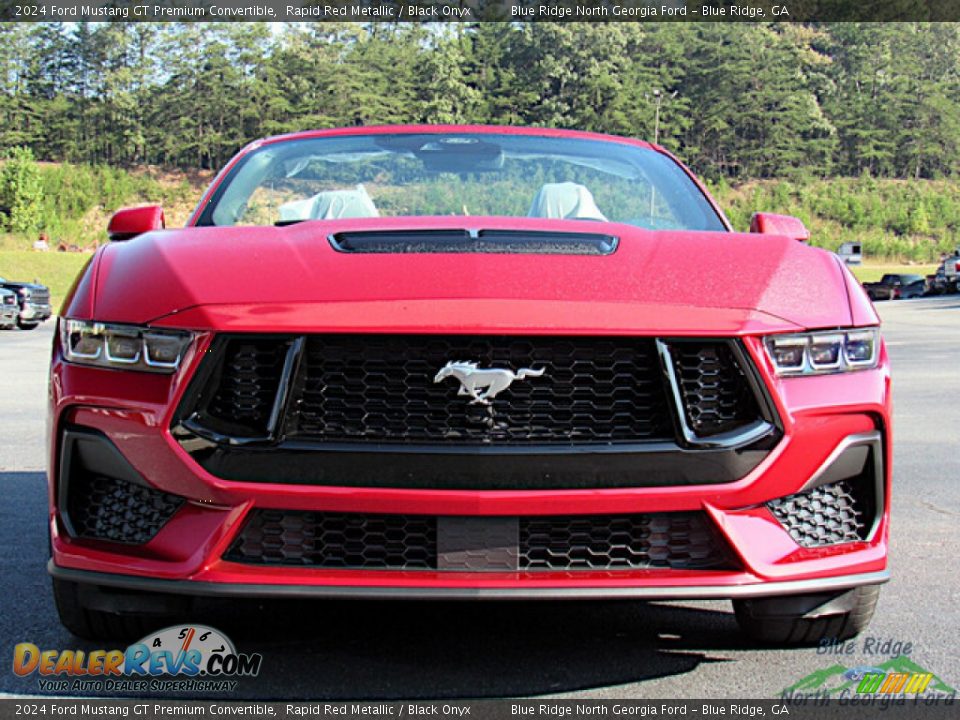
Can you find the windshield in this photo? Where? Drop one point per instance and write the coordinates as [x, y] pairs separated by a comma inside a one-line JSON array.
[[468, 174]]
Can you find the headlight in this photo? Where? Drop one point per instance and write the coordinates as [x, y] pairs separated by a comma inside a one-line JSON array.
[[127, 347], [819, 353]]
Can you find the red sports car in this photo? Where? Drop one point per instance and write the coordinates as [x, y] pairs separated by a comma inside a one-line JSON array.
[[467, 362]]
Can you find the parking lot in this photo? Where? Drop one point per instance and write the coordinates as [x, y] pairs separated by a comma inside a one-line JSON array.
[[590, 650]]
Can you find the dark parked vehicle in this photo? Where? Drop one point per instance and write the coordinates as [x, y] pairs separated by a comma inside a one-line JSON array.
[[895, 286], [34, 301]]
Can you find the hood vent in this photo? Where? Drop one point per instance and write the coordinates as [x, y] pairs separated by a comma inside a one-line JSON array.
[[474, 241]]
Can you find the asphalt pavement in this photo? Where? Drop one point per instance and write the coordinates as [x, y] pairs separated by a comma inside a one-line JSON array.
[[377, 650]]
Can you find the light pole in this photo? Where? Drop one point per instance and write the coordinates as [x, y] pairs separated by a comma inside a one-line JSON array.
[[656, 121], [658, 98]]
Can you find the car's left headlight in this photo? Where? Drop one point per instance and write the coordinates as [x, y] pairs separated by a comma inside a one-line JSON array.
[[123, 347], [819, 353]]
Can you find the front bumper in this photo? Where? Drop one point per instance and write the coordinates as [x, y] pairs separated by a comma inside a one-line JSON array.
[[35, 312], [820, 416], [530, 591]]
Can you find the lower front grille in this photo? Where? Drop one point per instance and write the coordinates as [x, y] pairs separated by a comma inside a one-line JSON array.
[[278, 537], [417, 542], [826, 515], [104, 508], [663, 540]]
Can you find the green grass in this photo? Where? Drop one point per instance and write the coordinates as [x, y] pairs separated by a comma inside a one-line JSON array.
[[53, 269], [872, 273]]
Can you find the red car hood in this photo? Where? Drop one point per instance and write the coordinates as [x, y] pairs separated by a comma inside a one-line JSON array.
[[291, 279]]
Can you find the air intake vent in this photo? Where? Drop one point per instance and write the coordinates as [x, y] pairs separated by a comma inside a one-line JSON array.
[[838, 512], [102, 497], [106, 508], [676, 541], [468, 241]]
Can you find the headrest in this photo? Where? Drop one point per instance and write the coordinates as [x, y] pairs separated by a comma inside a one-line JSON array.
[[565, 201]]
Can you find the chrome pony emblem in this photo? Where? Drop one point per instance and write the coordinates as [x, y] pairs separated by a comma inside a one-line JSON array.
[[482, 384]]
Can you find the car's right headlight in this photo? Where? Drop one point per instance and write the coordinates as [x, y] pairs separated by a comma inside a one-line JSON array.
[[123, 347], [820, 353]]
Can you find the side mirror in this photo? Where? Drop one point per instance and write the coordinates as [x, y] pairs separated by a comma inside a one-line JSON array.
[[786, 225], [130, 222]]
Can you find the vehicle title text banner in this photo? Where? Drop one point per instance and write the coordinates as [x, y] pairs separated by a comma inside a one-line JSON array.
[[796, 708], [478, 10]]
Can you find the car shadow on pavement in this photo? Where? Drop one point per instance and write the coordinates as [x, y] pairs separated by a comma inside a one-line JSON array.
[[374, 650]]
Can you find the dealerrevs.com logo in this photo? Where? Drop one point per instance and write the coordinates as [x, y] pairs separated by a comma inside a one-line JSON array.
[[177, 658]]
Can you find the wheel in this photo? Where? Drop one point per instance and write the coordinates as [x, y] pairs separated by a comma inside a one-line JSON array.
[[24, 325], [807, 619], [94, 613]]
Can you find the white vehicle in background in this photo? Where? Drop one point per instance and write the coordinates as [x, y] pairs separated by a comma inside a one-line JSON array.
[[33, 301], [951, 272], [9, 309], [851, 253]]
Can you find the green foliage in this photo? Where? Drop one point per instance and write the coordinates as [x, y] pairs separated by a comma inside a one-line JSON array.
[[789, 104], [741, 100], [896, 220], [20, 192], [70, 203]]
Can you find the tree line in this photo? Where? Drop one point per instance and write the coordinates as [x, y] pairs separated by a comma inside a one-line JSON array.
[[736, 101]]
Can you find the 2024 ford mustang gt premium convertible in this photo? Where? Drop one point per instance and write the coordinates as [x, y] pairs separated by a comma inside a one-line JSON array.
[[467, 362]]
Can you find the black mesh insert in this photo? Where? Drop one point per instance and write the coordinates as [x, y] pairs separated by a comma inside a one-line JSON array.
[[660, 540], [826, 515], [601, 542], [246, 386], [105, 508], [716, 395], [286, 537], [381, 388]]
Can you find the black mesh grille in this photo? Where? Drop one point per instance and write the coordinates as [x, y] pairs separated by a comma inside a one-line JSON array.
[[247, 384], [388, 389], [108, 509], [826, 515], [664, 540], [278, 537], [381, 388], [716, 394]]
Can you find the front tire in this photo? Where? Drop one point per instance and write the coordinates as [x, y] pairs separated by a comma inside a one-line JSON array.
[[94, 613], [24, 325], [807, 619]]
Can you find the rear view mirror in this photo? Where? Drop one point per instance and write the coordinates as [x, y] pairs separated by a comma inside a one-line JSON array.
[[130, 222], [461, 155], [786, 225]]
